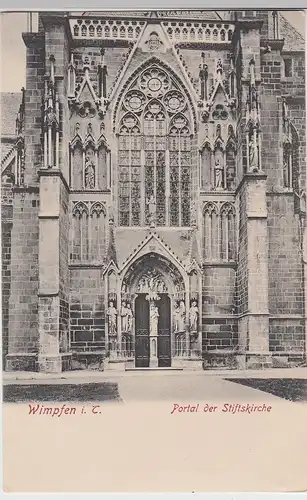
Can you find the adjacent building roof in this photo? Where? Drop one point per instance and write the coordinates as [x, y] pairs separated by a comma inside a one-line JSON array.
[[9, 105], [196, 14], [293, 38]]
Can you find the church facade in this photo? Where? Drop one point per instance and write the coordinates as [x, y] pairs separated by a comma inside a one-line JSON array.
[[154, 207]]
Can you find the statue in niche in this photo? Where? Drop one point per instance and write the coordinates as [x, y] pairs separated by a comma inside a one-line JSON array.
[[179, 317], [127, 315], [89, 171], [176, 318], [151, 202], [254, 98], [218, 171], [154, 318], [193, 316], [130, 317], [112, 319], [193, 213], [253, 155]]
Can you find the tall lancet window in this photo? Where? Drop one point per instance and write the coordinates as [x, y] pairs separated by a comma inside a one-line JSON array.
[[155, 151], [129, 171], [180, 171], [155, 147], [290, 158]]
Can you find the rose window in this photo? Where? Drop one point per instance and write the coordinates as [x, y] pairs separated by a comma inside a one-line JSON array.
[[135, 100], [174, 101], [154, 82]]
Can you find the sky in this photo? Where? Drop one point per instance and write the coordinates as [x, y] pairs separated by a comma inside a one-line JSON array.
[[13, 54]]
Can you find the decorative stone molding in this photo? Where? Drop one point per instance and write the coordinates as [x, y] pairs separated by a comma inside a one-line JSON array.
[[98, 28]]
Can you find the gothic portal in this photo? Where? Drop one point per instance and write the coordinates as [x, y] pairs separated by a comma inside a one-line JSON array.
[[154, 194]]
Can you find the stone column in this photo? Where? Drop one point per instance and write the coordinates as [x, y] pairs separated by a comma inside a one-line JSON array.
[[53, 353], [53, 294], [253, 322]]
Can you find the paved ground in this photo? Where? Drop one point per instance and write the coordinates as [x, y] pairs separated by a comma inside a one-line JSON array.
[[158, 386], [86, 375]]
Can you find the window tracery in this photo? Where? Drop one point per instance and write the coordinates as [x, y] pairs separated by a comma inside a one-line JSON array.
[[154, 152], [290, 159], [80, 232], [87, 231], [219, 232]]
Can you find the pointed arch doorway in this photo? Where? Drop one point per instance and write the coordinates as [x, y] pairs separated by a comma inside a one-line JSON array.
[[152, 350], [154, 285]]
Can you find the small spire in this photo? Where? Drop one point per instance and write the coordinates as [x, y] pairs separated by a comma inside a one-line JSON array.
[[111, 248], [194, 250]]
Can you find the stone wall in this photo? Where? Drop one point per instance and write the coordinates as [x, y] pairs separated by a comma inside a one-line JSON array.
[[23, 314], [87, 309], [23, 303]]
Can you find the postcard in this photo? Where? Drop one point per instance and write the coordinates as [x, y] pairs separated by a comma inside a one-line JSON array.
[[154, 251]]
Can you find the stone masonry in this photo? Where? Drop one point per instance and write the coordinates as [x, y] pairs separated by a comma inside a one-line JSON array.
[[191, 127]]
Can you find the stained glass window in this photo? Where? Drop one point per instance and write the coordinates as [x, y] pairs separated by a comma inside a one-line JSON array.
[[180, 171], [129, 172], [154, 155]]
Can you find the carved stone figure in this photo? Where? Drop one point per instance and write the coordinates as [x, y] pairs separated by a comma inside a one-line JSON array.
[[176, 318], [193, 317], [254, 98], [218, 170], [126, 315], [129, 317], [154, 319], [89, 173], [181, 322], [112, 319], [151, 282], [253, 156], [151, 202]]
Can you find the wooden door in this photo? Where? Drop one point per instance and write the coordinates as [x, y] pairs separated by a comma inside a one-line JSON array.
[[164, 331], [141, 332]]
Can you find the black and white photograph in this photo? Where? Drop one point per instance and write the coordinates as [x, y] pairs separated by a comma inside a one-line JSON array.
[[154, 250]]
